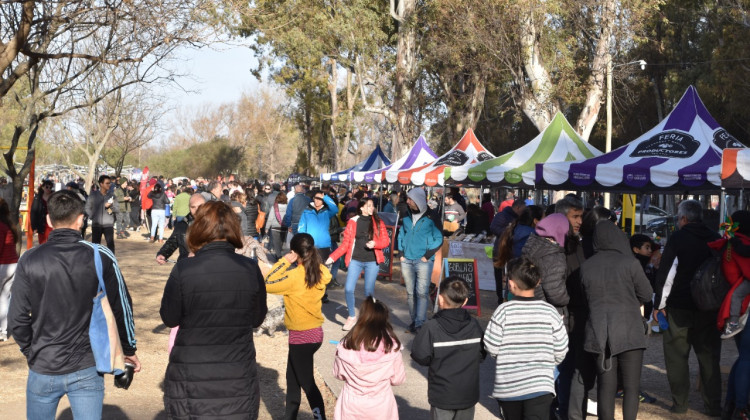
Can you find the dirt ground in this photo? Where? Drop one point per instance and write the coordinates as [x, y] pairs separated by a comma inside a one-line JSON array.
[[143, 401]]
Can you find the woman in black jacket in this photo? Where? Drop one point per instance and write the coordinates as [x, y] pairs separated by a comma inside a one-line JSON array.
[[615, 287], [216, 298]]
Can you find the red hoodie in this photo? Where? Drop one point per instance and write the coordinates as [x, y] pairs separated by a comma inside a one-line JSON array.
[[736, 268]]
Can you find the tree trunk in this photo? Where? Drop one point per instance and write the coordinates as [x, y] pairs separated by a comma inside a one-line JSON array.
[[465, 103], [536, 101], [333, 94], [406, 66]]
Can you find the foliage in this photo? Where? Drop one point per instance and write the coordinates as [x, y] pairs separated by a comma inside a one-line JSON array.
[[207, 159]]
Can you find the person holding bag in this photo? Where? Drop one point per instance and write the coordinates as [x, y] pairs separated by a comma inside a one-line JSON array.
[[364, 239], [58, 280]]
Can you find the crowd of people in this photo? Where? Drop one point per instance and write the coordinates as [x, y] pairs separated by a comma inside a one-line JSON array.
[[575, 299]]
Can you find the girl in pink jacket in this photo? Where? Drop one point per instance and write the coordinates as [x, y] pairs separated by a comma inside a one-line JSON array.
[[368, 360]]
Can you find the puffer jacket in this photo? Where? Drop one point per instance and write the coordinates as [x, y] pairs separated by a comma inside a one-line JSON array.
[[217, 298], [735, 265], [421, 239], [159, 200], [176, 240], [347, 244], [316, 222], [550, 258], [367, 377], [615, 286]]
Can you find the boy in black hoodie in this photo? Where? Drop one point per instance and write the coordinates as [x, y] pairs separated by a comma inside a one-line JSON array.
[[451, 345]]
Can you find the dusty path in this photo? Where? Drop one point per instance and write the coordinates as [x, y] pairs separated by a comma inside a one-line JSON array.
[[143, 401]]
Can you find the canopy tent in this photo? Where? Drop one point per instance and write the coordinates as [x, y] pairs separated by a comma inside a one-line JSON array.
[[420, 154], [376, 160], [735, 168], [468, 150], [295, 178], [682, 152], [557, 143]]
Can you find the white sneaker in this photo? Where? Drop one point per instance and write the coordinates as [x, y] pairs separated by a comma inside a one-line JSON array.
[[591, 408], [743, 319], [349, 324]]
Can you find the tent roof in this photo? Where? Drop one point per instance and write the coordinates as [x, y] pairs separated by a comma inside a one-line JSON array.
[[376, 160], [682, 152], [467, 150], [556, 143], [419, 154], [735, 168]]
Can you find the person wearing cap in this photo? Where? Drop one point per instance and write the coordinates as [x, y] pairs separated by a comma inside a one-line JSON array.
[[418, 241]]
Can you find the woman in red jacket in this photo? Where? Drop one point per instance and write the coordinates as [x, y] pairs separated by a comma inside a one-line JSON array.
[[364, 239]]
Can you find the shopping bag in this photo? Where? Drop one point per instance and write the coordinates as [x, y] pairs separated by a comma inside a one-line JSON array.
[[105, 340]]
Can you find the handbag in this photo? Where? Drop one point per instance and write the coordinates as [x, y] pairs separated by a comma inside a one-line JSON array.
[[103, 334]]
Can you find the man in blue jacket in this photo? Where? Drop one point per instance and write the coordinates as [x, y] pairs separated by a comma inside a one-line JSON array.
[[315, 220], [418, 241], [294, 209]]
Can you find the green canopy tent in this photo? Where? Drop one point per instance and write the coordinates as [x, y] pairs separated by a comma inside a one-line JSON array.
[[557, 143]]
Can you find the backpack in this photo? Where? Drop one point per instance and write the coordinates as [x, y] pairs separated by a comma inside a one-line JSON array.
[[708, 286]]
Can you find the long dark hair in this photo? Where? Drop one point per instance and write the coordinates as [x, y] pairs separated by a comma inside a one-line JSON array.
[[373, 230], [5, 218], [372, 328], [505, 247], [304, 245]]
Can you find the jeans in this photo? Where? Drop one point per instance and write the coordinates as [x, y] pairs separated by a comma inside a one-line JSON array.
[[7, 273], [371, 274], [416, 274], [738, 385], [122, 221], [277, 239], [335, 266], [85, 390], [159, 220]]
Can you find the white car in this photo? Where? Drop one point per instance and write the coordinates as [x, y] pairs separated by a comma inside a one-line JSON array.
[[652, 212]]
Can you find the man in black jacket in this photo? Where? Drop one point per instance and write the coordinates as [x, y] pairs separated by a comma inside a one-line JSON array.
[[50, 313], [451, 345], [688, 326], [177, 239]]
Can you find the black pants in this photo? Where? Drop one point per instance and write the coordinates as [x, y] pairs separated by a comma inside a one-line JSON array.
[[629, 363], [499, 284], [531, 409], [109, 235], [584, 369], [299, 375]]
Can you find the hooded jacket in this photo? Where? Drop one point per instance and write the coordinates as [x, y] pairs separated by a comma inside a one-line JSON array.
[[690, 245], [550, 258], [316, 222], [735, 265], [347, 245], [367, 377], [294, 210], [418, 237], [615, 286], [451, 345], [96, 211]]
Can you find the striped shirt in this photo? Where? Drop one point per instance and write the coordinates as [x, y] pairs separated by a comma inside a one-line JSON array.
[[311, 336], [528, 339]]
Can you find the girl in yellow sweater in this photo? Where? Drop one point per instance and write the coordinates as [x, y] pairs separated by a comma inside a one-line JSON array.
[[301, 278]]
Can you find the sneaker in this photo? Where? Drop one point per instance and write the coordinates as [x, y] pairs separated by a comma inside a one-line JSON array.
[[411, 328], [645, 398], [731, 329], [325, 299], [591, 408], [743, 319], [741, 414], [349, 324], [335, 285]]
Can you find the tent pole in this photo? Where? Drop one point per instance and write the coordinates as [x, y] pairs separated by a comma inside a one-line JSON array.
[[722, 206]]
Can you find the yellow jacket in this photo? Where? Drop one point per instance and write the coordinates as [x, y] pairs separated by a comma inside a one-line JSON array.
[[303, 305]]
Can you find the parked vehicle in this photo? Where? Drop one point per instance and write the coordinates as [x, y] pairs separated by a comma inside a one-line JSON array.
[[650, 214]]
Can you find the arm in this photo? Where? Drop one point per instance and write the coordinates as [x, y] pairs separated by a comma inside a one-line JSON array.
[[643, 290], [171, 245], [461, 214], [400, 238], [288, 214], [260, 309], [281, 279], [119, 300], [496, 227], [493, 335], [171, 301], [553, 269], [381, 239], [302, 225], [667, 259], [434, 240], [333, 209], [346, 242], [399, 373], [19, 313], [421, 347], [90, 205], [560, 339]]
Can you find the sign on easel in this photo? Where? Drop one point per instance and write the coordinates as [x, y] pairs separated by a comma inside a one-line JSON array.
[[466, 269]]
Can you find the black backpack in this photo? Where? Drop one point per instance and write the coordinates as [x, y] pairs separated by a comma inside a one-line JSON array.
[[708, 286]]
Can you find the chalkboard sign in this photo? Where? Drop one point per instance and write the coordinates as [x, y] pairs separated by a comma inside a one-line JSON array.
[[385, 269], [466, 269]]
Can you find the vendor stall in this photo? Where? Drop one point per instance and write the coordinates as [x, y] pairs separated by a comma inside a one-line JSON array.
[[376, 160], [420, 154]]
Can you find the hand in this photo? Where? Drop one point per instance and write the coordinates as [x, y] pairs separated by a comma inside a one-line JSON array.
[[402, 259], [329, 261], [291, 256], [134, 361], [161, 260], [423, 259], [370, 244], [656, 312]]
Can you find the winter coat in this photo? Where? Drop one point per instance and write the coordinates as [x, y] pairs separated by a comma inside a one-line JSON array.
[[368, 377], [38, 217], [96, 211], [120, 195], [615, 286], [302, 306], [251, 213], [451, 345], [690, 245], [735, 265], [272, 221], [317, 222], [419, 240], [549, 257], [520, 235], [217, 298], [176, 240], [159, 200], [501, 221], [347, 244], [294, 210]]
